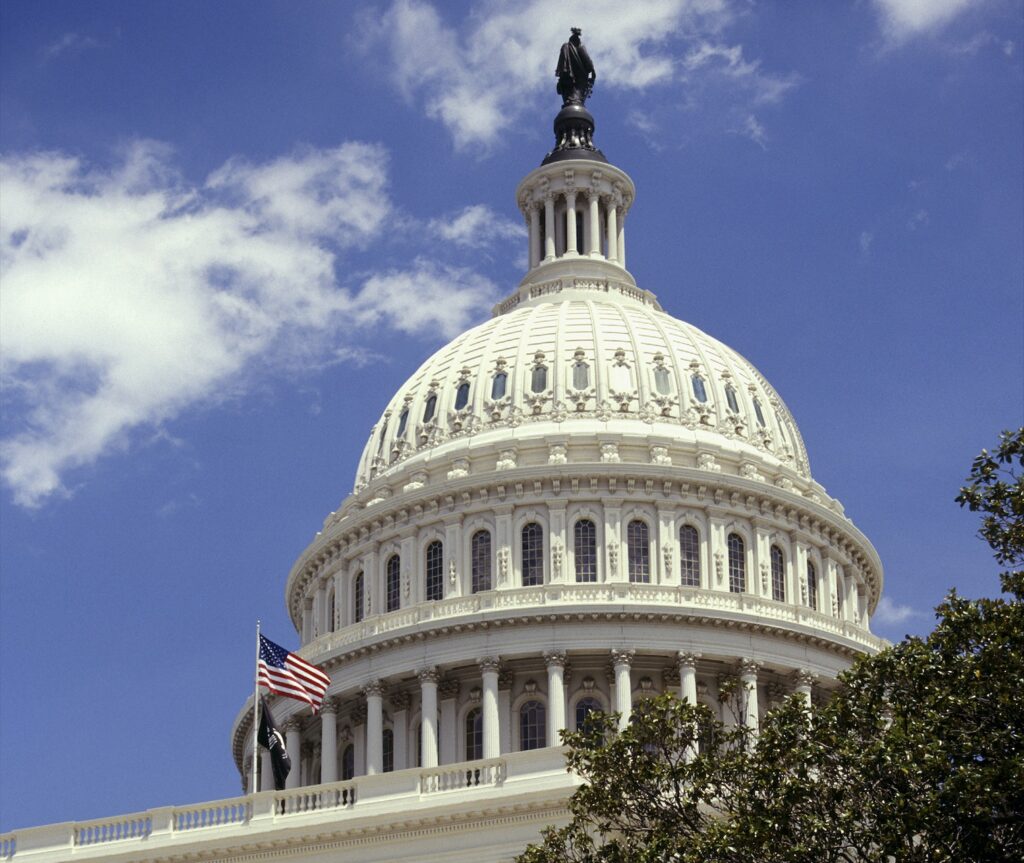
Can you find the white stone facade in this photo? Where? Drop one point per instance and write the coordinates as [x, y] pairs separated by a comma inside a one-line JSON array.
[[577, 504]]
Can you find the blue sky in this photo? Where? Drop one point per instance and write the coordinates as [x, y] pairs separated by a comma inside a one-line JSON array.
[[229, 231]]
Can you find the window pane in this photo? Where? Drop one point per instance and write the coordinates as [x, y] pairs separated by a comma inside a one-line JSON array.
[[580, 376], [388, 746], [778, 575], [699, 392], [357, 599], [539, 379], [435, 571], [474, 735], [461, 396], [812, 586], [757, 411], [498, 386], [393, 588], [428, 409], [585, 550], [403, 419], [383, 434], [331, 615], [533, 554], [737, 564], [689, 556], [532, 726], [584, 707], [639, 548], [662, 382], [481, 560], [730, 397]]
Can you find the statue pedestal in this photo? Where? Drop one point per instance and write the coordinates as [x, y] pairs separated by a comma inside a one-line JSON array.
[[574, 136]]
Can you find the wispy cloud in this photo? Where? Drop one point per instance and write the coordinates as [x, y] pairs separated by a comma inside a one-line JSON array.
[[919, 219], [889, 613], [71, 43], [475, 227], [478, 77], [904, 19], [865, 241], [131, 295], [752, 129]]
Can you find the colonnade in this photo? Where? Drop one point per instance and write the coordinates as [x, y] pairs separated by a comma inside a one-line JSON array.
[[556, 234]]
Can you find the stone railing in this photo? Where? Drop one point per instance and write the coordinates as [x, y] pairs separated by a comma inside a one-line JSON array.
[[548, 597], [157, 832]]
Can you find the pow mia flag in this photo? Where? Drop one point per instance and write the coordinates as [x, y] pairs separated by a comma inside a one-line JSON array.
[[273, 741]]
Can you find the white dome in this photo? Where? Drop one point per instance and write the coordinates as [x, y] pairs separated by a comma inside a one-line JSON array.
[[594, 357]]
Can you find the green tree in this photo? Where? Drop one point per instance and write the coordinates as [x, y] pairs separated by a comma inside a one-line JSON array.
[[918, 756]]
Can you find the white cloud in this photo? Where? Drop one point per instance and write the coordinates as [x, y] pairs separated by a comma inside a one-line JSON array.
[[902, 19], [479, 78], [70, 43], [919, 219], [475, 227], [752, 129], [130, 295], [890, 613], [866, 239]]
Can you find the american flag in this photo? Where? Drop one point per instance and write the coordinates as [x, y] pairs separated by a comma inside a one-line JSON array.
[[288, 674]]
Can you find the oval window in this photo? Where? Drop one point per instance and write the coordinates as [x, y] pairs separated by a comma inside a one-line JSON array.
[[461, 396]]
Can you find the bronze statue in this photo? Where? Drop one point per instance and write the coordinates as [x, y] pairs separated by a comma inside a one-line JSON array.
[[575, 71]]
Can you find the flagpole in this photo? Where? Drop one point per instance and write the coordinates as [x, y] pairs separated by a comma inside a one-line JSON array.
[[256, 716]]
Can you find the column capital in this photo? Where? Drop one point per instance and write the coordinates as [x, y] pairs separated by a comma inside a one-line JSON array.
[[489, 663], [373, 689], [429, 675], [622, 656], [554, 658], [292, 723], [330, 705], [686, 659], [400, 701], [749, 667], [448, 688], [804, 677]]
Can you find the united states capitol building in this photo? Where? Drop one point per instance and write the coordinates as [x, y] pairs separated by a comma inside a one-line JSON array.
[[579, 503]]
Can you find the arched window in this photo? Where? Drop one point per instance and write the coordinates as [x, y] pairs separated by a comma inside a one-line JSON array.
[[532, 726], [357, 598], [639, 551], [580, 375], [778, 575], [539, 379], [584, 537], [388, 748], [331, 616], [462, 395], [662, 380], [348, 762], [403, 420], [429, 408], [533, 554], [758, 413], [435, 571], [699, 391], [393, 587], [812, 586], [498, 384], [737, 564], [480, 560], [730, 398], [689, 556], [474, 734], [584, 707]]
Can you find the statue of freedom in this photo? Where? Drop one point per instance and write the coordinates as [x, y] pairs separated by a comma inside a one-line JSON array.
[[575, 71]]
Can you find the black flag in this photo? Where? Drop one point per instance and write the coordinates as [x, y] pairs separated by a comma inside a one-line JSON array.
[[273, 741]]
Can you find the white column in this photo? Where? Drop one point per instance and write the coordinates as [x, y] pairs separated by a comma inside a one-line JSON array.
[[613, 231], [320, 604], [570, 223], [534, 234], [489, 667], [329, 741], [448, 741], [400, 721], [293, 745], [621, 661], [359, 740], [748, 685], [374, 692], [428, 716], [594, 244], [307, 621], [549, 227], [803, 683], [555, 660], [622, 236], [505, 712], [687, 665]]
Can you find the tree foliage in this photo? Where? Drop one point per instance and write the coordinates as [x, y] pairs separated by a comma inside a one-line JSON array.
[[918, 756]]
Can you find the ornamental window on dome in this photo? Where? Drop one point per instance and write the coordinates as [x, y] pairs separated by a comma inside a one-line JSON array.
[[434, 575], [778, 575], [812, 586], [730, 397], [403, 419], [689, 556], [480, 560], [699, 390], [462, 396], [474, 734], [532, 726], [584, 536], [737, 564], [393, 583], [758, 412], [430, 407], [639, 551], [533, 554], [498, 385], [663, 380], [580, 375], [383, 434], [357, 598], [539, 379]]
